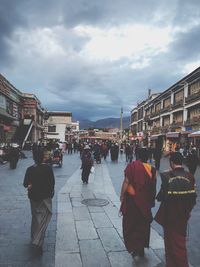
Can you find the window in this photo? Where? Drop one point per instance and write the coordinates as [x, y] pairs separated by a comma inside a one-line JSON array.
[[51, 128], [194, 88]]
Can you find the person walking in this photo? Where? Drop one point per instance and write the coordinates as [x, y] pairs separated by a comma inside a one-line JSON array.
[[192, 161], [39, 180], [137, 198], [87, 163], [157, 157], [178, 197], [13, 156]]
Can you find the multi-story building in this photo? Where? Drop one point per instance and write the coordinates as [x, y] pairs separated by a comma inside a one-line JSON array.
[[140, 116], [32, 118], [174, 111], [10, 110], [21, 115], [58, 125]]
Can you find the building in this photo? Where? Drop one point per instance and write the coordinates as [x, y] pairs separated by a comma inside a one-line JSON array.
[[58, 125], [173, 112], [31, 127], [10, 110]]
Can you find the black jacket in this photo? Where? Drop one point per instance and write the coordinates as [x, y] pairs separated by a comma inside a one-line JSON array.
[[41, 179]]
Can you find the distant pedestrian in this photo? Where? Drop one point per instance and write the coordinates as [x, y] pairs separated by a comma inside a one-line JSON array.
[[127, 152], [39, 180], [178, 197], [157, 157], [137, 198], [13, 156], [87, 163], [192, 161]]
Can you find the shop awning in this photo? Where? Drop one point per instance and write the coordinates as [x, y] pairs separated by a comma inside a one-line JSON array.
[[154, 137], [195, 134], [173, 135]]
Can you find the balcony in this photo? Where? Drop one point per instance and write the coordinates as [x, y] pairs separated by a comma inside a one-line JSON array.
[[156, 130], [192, 98], [146, 118], [177, 104], [165, 109], [155, 113], [165, 128], [192, 121], [176, 125]]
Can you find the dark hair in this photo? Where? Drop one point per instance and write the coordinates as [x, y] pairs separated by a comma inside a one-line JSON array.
[[176, 158], [38, 155], [143, 154]]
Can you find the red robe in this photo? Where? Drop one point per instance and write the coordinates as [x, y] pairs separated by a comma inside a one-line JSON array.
[[136, 208]]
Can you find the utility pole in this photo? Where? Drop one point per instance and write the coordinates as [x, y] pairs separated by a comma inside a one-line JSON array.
[[121, 124]]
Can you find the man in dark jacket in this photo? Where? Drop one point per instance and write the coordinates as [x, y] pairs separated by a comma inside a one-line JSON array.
[[178, 197]]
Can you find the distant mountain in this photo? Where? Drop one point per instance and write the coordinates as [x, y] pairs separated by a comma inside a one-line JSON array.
[[104, 123]]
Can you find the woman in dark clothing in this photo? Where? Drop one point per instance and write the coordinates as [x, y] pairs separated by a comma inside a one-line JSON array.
[[87, 163], [39, 180], [13, 156]]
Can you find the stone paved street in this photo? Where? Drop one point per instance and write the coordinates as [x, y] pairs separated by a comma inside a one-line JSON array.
[[78, 235]]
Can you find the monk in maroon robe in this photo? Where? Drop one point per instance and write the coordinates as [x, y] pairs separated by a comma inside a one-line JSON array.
[[174, 211], [137, 198]]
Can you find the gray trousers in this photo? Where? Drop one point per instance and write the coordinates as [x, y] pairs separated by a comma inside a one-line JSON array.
[[41, 216]]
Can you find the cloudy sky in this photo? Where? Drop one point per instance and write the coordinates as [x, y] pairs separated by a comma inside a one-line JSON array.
[[93, 56]]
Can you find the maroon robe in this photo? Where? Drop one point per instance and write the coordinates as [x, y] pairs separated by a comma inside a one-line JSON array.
[[136, 209]]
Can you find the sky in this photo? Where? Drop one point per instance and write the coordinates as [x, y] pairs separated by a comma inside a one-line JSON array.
[[93, 57]]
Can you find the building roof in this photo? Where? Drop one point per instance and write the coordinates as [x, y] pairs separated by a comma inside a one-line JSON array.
[[59, 113]]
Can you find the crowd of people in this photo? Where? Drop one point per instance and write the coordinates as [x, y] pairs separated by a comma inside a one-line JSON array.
[[138, 192]]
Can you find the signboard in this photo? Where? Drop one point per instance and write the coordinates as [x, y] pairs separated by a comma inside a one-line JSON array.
[[6, 128]]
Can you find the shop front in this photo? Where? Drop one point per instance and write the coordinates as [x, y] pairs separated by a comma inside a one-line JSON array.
[[172, 141]]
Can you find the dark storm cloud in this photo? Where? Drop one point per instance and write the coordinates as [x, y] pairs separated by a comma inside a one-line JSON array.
[[186, 45], [186, 12], [87, 87], [10, 18]]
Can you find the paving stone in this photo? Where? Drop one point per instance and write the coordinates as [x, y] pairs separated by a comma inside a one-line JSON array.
[[64, 207], [64, 219], [63, 197], [66, 239], [156, 241], [110, 239], [95, 209], [93, 254], [150, 260], [81, 213], [160, 253], [117, 223], [111, 211], [120, 259], [101, 220], [64, 259], [86, 230]]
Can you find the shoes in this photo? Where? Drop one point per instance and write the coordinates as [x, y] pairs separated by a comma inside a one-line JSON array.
[[37, 250], [134, 254], [139, 253]]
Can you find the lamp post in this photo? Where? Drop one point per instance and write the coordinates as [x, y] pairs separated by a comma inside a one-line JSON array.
[[121, 124]]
